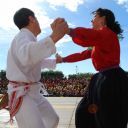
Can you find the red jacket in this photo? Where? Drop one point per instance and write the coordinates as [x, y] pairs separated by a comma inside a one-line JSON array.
[[105, 51]]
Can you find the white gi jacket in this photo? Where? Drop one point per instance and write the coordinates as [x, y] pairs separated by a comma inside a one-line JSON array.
[[32, 57]]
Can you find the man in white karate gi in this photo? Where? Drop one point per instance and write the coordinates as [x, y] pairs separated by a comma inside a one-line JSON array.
[[26, 58]]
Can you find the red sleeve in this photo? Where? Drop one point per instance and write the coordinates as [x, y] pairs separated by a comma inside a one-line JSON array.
[[87, 37], [78, 56]]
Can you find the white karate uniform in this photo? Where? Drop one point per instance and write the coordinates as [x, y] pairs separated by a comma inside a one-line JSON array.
[[35, 111]]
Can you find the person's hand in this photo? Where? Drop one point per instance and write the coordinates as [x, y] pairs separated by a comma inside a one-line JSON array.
[[59, 28], [59, 59], [57, 21]]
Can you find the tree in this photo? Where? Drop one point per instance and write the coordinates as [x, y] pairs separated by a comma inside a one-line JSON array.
[[81, 75], [2, 74], [52, 74]]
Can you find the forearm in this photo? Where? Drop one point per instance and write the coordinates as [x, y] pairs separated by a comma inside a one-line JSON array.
[[55, 37], [77, 56], [48, 63]]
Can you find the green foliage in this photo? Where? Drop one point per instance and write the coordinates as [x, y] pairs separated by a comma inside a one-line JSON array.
[[81, 75], [52, 74], [2, 74]]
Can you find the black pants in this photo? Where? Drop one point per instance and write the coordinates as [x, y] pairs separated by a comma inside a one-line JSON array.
[[107, 90]]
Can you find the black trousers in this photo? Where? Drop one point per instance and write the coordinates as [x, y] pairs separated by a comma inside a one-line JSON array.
[[108, 91]]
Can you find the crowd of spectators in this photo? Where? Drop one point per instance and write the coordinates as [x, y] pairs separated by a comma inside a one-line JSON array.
[[58, 86], [3, 86], [66, 86]]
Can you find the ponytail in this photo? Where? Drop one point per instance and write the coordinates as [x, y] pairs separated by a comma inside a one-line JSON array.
[[115, 27]]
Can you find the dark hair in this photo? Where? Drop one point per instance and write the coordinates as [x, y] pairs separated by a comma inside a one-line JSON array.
[[21, 17], [110, 20]]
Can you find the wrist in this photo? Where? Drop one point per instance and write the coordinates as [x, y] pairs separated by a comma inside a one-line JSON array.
[[69, 31], [63, 61], [54, 37]]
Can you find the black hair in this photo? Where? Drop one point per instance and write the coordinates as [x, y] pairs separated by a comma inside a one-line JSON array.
[[110, 20], [21, 17]]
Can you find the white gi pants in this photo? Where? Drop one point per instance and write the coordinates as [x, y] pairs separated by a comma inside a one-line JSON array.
[[36, 111]]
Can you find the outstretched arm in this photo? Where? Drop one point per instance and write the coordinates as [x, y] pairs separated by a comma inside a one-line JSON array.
[[75, 57], [87, 37]]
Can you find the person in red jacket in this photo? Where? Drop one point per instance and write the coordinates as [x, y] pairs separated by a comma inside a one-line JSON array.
[[105, 104]]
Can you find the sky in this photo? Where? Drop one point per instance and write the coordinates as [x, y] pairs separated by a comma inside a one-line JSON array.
[[77, 13]]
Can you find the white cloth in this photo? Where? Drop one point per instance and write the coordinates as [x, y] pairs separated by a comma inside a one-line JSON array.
[[32, 56], [43, 116], [36, 111]]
